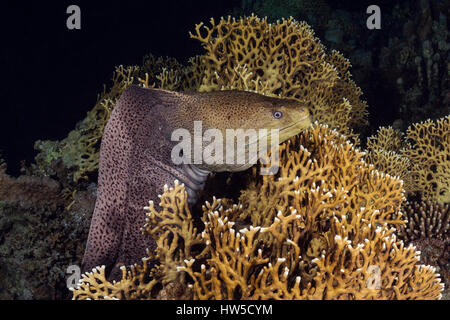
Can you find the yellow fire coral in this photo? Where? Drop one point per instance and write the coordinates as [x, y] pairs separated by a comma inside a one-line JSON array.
[[325, 197], [387, 139], [379, 268], [177, 239], [384, 152], [177, 77], [271, 52], [430, 158], [322, 228], [283, 59], [421, 158], [133, 285]]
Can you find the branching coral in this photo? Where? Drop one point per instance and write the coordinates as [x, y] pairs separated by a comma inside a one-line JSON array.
[[182, 78], [283, 59], [134, 284], [323, 228], [248, 54], [326, 198], [384, 152], [422, 162], [426, 219], [387, 139], [271, 52], [174, 232], [428, 229], [421, 159], [430, 158], [177, 239], [333, 164]]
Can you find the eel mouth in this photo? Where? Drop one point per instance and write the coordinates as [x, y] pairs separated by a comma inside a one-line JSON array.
[[299, 125], [288, 132], [283, 134]]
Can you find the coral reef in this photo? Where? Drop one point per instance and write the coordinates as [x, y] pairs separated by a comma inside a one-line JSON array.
[[427, 228], [176, 237], [306, 73], [179, 78], [430, 158], [384, 152], [408, 61], [281, 59], [426, 219], [436, 252], [323, 228], [420, 158]]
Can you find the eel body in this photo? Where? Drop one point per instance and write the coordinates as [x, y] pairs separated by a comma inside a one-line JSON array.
[[135, 159]]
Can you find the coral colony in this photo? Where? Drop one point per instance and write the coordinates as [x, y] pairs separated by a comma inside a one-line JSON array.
[[335, 221], [327, 225]]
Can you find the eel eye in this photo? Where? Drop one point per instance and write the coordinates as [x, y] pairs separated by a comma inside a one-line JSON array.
[[277, 114]]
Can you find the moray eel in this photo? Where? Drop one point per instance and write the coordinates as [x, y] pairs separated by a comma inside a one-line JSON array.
[[135, 159]]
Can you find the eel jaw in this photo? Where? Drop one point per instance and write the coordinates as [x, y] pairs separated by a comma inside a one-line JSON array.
[[294, 129], [284, 134]]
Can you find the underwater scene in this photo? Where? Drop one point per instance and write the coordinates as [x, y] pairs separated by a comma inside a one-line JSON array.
[[225, 150]]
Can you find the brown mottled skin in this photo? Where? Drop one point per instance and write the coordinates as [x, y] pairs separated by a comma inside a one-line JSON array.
[[135, 159]]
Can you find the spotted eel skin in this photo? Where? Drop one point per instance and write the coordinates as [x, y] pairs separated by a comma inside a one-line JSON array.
[[135, 164]]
